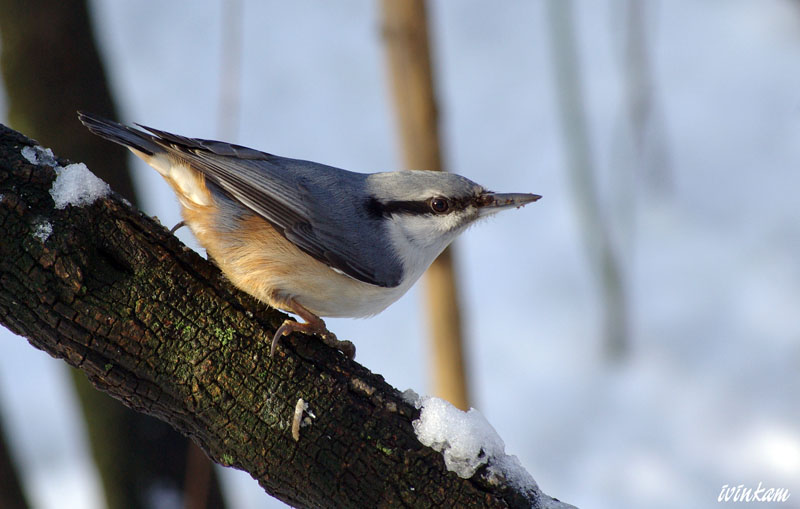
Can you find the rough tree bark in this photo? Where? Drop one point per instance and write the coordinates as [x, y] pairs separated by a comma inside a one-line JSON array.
[[111, 292]]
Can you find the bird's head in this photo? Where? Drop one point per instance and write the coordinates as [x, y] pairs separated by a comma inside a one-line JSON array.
[[426, 210]]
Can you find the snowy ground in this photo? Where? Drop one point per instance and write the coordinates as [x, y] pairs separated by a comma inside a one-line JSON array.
[[708, 394]]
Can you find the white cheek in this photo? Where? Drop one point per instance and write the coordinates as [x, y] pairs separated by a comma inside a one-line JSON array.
[[422, 230], [429, 232], [407, 242], [418, 240]]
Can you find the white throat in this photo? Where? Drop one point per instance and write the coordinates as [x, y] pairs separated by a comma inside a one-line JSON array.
[[418, 240]]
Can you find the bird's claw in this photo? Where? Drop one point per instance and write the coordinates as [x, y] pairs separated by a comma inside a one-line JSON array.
[[318, 329], [344, 346], [177, 227]]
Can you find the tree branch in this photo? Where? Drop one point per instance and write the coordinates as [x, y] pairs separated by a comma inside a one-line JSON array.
[[111, 292]]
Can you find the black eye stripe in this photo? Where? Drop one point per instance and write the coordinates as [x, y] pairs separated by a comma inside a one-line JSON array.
[[376, 208], [404, 207]]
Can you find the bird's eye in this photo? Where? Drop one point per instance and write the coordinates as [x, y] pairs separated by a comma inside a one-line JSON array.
[[439, 205]]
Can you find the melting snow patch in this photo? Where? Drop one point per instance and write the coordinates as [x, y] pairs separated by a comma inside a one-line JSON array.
[[468, 441], [39, 155], [411, 397], [76, 185], [42, 230]]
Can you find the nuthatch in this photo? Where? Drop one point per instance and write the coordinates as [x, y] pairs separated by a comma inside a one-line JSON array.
[[305, 237]]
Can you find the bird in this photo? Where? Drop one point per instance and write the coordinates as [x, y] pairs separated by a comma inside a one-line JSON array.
[[308, 238]]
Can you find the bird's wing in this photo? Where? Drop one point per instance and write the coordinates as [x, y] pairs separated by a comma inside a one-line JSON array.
[[319, 225]]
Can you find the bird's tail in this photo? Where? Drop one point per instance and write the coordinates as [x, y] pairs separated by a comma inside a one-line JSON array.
[[126, 136]]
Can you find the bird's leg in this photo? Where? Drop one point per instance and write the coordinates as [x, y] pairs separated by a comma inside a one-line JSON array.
[[313, 325]]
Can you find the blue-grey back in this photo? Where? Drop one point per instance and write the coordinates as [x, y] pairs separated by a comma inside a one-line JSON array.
[[321, 209]]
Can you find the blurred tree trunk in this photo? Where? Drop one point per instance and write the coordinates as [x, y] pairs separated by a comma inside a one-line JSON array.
[[592, 218], [647, 128], [12, 495], [230, 74], [640, 160], [51, 68], [405, 31]]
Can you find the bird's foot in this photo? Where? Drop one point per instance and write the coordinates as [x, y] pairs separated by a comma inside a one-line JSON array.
[[327, 337], [314, 325]]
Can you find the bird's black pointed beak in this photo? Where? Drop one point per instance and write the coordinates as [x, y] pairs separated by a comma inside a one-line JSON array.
[[489, 203]]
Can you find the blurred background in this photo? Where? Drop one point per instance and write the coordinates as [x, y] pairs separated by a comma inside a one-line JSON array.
[[634, 337]]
